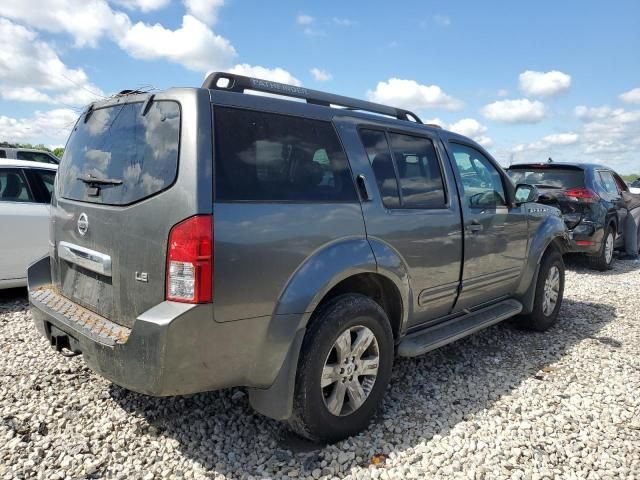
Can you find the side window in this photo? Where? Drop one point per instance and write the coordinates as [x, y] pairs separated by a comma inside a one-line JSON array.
[[13, 186], [42, 157], [375, 143], [269, 157], [45, 179], [419, 173], [481, 181], [622, 186], [3, 154], [608, 182]]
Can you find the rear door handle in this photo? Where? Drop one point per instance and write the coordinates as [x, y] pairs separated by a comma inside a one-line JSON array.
[[362, 188], [475, 227]]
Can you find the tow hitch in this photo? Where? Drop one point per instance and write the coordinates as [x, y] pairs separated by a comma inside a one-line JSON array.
[[61, 342]]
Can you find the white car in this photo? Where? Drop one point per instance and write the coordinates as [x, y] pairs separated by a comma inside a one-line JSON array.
[[635, 186], [25, 194]]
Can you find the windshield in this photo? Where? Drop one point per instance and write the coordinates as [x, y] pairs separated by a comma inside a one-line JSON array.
[[135, 155], [548, 177]]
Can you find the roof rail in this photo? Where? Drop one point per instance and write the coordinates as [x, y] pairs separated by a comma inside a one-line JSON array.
[[240, 83]]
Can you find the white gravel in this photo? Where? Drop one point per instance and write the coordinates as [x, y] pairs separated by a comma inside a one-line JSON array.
[[501, 404]]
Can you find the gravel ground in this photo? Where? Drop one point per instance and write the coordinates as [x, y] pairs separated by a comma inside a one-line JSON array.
[[501, 404]]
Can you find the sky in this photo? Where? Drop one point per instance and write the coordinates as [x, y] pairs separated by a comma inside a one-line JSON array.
[[526, 80]]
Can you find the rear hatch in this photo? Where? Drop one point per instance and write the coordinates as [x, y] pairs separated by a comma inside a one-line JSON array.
[[561, 186], [113, 207]]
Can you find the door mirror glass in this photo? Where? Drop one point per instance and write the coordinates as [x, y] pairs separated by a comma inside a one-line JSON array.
[[526, 193]]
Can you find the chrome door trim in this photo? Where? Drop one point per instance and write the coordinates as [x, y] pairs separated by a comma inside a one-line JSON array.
[[86, 258]]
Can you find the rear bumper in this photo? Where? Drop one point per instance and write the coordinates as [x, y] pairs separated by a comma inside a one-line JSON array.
[[586, 238], [172, 349]]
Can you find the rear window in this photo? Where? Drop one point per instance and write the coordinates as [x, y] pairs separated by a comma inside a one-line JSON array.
[[139, 153], [548, 177], [270, 157]]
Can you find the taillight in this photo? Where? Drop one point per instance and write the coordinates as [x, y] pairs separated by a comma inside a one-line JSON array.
[[190, 261], [581, 195]]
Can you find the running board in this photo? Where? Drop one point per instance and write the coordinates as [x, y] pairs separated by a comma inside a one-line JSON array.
[[441, 334]]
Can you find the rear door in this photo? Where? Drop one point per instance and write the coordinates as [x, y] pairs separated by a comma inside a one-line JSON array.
[[414, 211], [132, 169], [610, 193], [25, 225], [495, 233]]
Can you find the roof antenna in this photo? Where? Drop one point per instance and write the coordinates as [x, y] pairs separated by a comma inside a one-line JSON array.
[[550, 160]]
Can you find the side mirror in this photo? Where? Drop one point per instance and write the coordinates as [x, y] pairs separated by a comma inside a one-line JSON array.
[[526, 193]]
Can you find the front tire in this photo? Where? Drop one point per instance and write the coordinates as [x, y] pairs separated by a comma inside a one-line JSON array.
[[604, 260], [344, 369], [549, 294]]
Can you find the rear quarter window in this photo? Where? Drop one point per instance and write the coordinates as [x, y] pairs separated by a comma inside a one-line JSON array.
[[119, 143], [271, 157]]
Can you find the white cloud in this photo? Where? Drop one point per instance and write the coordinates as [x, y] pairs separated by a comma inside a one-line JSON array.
[[321, 75], [274, 74], [344, 22], [567, 138], [610, 136], [303, 19], [143, 5], [632, 96], [33, 72], [204, 10], [515, 111], [193, 45], [411, 95], [612, 132], [442, 20], [52, 126], [592, 113], [85, 20], [544, 84], [434, 121], [470, 127]]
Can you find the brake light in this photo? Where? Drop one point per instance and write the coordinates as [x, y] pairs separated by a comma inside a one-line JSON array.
[[190, 261], [581, 195]]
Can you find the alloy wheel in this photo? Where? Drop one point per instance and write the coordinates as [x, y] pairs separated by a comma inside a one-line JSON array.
[[551, 291], [350, 370]]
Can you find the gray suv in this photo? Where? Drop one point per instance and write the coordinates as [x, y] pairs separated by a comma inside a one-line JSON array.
[[205, 238]]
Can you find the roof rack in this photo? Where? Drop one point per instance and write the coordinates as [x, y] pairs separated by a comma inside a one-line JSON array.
[[240, 83]]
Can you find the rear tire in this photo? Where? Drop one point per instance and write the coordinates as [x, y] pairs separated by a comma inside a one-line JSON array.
[[605, 259], [327, 384], [549, 294]]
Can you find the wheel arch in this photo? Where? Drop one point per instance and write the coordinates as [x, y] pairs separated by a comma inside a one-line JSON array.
[[344, 266]]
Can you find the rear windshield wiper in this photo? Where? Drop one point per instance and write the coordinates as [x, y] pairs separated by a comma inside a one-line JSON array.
[[91, 180]]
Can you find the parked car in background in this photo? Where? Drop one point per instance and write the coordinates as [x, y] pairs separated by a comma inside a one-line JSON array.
[[590, 198], [634, 187], [25, 194], [28, 154], [292, 249]]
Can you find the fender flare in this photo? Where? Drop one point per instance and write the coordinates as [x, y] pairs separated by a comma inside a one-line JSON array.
[[551, 233]]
